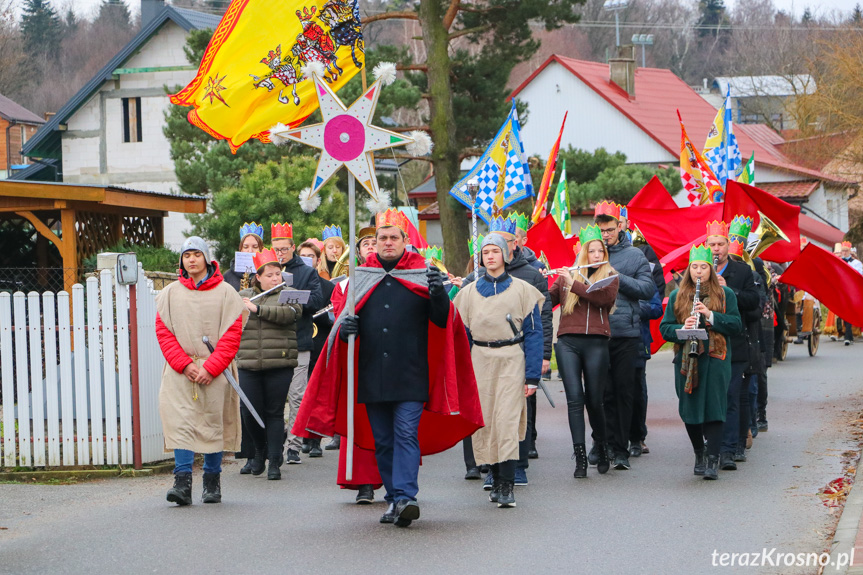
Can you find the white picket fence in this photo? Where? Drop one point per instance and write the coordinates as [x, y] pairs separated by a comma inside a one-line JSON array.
[[66, 376]]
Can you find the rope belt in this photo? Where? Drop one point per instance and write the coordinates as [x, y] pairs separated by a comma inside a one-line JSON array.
[[500, 343]]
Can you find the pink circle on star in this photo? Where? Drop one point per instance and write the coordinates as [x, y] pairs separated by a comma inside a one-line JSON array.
[[344, 138]]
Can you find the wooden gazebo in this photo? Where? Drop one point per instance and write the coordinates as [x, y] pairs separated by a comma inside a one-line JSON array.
[[82, 220]]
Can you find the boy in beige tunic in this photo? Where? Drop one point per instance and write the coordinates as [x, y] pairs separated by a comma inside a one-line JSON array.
[[507, 365], [199, 410]]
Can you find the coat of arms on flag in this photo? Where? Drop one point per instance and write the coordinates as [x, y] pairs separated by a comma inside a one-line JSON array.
[[503, 157], [256, 71], [721, 149]]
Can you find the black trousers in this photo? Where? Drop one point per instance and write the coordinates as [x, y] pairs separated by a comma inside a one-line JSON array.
[[638, 430], [582, 361], [504, 471], [762, 396], [620, 391], [709, 430], [267, 390]]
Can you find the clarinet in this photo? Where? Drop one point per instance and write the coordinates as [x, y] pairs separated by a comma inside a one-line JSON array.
[[693, 342]]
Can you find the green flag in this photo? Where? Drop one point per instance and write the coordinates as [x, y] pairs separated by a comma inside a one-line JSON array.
[[748, 174], [560, 207]]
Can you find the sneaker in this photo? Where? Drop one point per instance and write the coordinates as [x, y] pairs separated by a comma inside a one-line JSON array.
[[520, 478], [489, 482], [762, 426], [292, 457], [494, 494], [635, 449], [621, 463], [593, 455], [832, 338], [848, 342], [506, 498], [532, 453]]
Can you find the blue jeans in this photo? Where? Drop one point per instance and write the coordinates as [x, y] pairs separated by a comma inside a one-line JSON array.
[[397, 447], [731, 430], [753, 405], [183, 459]]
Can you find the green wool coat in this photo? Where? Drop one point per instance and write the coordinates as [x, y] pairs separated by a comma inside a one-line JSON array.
[[270, 336], [708, 401]]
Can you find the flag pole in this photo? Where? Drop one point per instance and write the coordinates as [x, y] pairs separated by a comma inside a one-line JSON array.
[[352, 303], [473, 190]]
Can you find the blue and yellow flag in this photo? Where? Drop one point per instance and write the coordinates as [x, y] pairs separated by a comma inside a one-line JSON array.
[[721, 149], [251, 76], [501, 173]]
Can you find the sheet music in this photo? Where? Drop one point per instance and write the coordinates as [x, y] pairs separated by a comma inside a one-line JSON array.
[[244, 262], [690, 333], [599, 284], [294, 296]]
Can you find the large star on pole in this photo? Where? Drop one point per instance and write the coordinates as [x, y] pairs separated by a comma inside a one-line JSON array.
[[346, 137]]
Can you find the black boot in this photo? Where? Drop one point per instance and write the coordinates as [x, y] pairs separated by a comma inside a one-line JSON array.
[[307, 445], [580, 456], [275, 462], [257, 464], [315, 450], [727, 462], [712, 466], [247, 468], [181, 492], [212, 488], [507, 494], [602, 464], [700, 462], [334, 444]]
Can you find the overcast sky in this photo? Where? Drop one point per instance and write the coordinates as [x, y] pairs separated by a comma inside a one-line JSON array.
[[818, 7]]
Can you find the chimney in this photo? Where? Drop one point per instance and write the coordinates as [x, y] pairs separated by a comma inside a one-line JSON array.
[[622, 69], [149, 9]]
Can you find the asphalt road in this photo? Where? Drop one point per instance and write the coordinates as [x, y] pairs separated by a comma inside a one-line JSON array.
[[656, 518]]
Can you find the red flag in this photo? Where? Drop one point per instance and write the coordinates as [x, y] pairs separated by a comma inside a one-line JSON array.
[[745, 200], [416, 238], [542, 197], [836, 284], [667, 230], [653, 195], [546, 237]]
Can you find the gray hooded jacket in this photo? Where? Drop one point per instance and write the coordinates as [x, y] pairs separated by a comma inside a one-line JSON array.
[[636, 283]]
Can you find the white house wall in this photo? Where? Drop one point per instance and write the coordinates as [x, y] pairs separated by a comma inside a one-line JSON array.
[[592, 122], [93, 148]]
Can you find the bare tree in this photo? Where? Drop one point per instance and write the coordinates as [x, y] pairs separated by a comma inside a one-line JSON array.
[[11, 53]]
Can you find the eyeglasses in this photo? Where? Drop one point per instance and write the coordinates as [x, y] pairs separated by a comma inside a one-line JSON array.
[[281, 250], [608, 230]]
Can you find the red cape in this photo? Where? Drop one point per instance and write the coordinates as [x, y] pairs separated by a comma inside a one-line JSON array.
[[453, 410]]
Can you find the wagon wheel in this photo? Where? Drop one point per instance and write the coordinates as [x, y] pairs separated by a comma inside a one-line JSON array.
[[815, 336]]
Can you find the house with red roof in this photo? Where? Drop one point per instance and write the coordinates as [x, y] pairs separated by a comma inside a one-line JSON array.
[[623, 108], [17, 125]]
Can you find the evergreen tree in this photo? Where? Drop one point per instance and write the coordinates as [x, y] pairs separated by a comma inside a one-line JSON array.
[[115, 13], [857, 15], [41, 29], [807, 16]]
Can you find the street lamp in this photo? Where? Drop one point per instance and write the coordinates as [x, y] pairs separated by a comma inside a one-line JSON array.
[[643, 40], [615, 6]]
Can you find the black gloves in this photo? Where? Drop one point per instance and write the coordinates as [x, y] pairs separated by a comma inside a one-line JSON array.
[[435, 281], [350, 326]]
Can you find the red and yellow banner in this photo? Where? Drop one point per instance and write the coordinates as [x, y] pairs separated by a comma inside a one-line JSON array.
[[251, 78]]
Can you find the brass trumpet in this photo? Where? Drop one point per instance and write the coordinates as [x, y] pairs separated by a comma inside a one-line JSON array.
[[768, 234]]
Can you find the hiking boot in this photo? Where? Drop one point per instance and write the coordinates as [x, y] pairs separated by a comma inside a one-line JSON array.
[[181, 492], [212, 488]]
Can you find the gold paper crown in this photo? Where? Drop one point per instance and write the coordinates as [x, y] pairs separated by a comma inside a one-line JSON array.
[[392, 217], [282, 231], [607, 209], [265, 257], [846, 245], [717, 229]]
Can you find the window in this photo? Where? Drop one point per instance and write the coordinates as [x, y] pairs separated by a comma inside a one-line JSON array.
[[131, 119]]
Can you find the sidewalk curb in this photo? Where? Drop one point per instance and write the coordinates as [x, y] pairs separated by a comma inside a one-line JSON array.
[[849, 524], [43, 475]]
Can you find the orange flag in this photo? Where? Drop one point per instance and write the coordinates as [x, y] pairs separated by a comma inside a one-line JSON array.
[[539, 209], [699, 181]]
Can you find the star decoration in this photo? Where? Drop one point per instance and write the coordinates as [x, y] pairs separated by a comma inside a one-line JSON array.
[[346, 137], [213, 89]]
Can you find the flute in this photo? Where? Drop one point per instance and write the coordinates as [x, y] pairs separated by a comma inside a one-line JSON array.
[[263, 293], [573, 268], [322, 311]]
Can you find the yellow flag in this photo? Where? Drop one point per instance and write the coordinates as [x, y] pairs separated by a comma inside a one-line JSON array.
[[251, 76]]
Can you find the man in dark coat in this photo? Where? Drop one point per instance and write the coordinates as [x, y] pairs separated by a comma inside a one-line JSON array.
[[393, 372], [738, 277], [625, 345], [304, 278]]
